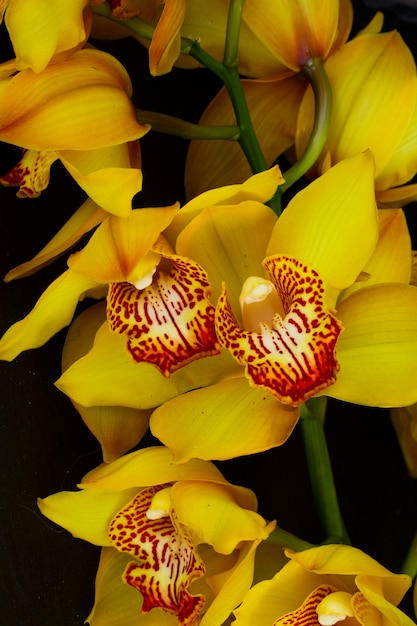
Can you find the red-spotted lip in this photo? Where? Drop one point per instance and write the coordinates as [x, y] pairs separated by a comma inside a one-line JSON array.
[[293, 357]]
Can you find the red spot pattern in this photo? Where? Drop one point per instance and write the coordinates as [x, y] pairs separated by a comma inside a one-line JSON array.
[[294, 357], [306, 615], [171, 322], [31, 174], [166, 562]]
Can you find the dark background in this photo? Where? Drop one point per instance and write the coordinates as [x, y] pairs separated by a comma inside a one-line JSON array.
[[46, 576]]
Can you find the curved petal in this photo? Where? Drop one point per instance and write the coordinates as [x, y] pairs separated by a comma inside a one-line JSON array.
[[373, 86], [115, 602], [58, 26], [107, 175], [148, 467], [397, 196], [107, 376], [222, 421], [212, 164], [52, 312], [86, 514], [70, 105], [165, 45], [377, 351], [325, 227], [213, 514], [31, 174], [120, 248], [229, 242], [81, 222]]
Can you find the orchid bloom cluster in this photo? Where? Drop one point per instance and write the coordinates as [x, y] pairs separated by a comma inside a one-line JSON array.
[[221, 322]]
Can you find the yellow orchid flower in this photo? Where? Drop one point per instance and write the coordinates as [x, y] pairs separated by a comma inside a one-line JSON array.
[[78, 111], [61, 26], [326, 585], [180, 535], [288, 337], [374, 86]]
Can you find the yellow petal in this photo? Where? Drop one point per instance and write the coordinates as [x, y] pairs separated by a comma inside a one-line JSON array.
[[310, 28], [116, 602], [58, 26], [169, 323], [86, 514], [373, 86], [391, 259], [229, 242], [121, 382], [214, 515], [165, 45], [212, 164], [383, 595], [222, 421], [397, 197], [292, 354], [377, 351], [52, 312], [323, 226], [81, 222], [107, 175], [147, 467], [120, 249], [71, 105]]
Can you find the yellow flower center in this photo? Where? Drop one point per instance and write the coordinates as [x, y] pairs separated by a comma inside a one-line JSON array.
[[335, 608], [259, 302]]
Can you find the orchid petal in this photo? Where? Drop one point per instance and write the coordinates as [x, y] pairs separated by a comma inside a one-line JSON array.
[[169, 323], [86, 514], [166, 562], [52, 312], [149, 467], [332, 222], [165, 45], [291, 356], [120, 249], [398, 196], [58, 26], [31, 174], [222, 421], [139, 385], [377, 351], [213, 164], [229, 242], [212, 512], [70, 106], [81, 222], [115, 602]]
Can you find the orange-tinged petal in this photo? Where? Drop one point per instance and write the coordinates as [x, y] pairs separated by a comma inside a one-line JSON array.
[[139, 385], [106, 175], [211, 164], [380, 596], [324, 227], [86, 514], [310, 29], [169, 323], [52, 312], [149, 467], [229, 242], [166, 562], [373, 86], [57, 26], [120, 249], [222, 421], [165, 45], [70, 106], [377, 351], [291, 356], [398, 196], [81, 222]]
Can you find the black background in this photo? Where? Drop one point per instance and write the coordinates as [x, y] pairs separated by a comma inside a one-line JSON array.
[[46, 576]]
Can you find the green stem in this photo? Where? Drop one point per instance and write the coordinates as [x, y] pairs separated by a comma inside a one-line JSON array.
[[410, 564], [320, 470], [234, 20], [314, 71], [174, 126], [284, 539]]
